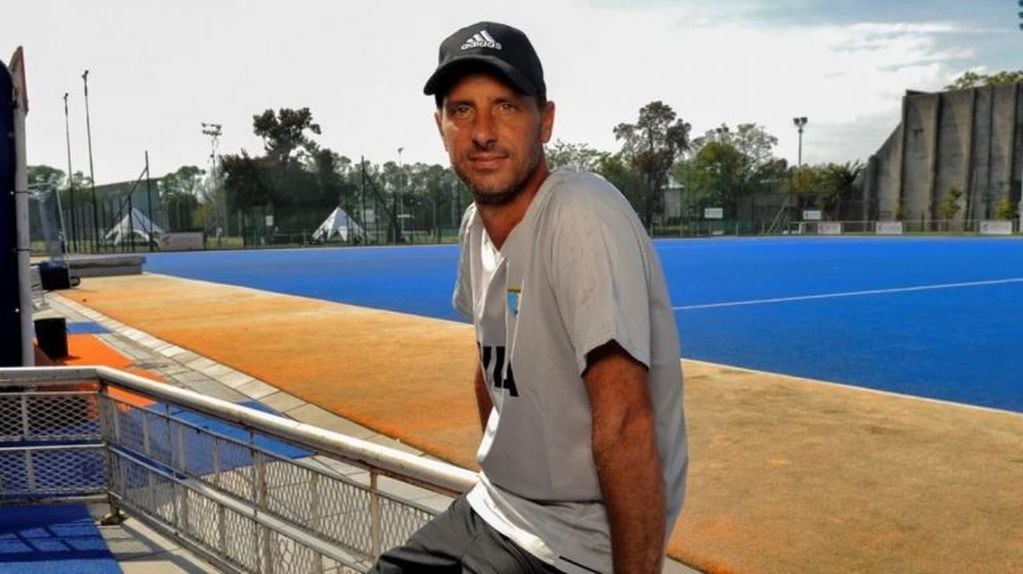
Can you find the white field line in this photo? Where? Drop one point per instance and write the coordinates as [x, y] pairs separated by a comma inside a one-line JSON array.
[[850, 294]]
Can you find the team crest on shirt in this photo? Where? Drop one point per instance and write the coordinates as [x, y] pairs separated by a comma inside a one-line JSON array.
[[513, 300]]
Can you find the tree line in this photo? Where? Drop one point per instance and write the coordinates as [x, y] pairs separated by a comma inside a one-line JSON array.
[[299, 181]]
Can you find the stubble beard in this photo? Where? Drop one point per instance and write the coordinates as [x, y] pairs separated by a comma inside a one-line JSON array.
[[507, 194]]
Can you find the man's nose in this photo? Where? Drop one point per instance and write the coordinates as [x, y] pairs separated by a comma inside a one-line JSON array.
[[483, 133]]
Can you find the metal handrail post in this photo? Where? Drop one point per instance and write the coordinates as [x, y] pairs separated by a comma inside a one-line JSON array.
[[109, 435], [375, 526], [259, 466], [183, 461]]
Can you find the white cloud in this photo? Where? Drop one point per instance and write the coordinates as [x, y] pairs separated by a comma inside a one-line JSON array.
[[158, 70], [835, 75]]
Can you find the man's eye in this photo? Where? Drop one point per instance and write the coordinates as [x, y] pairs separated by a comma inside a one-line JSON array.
[[506, 107], [461, 111]]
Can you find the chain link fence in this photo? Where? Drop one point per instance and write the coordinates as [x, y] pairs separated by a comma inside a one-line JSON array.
[[141, 216]]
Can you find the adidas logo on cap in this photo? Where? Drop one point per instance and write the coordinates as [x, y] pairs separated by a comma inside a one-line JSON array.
[[481, 39]]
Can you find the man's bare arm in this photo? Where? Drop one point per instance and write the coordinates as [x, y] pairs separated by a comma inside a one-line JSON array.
[[483, 402], [625, 451]]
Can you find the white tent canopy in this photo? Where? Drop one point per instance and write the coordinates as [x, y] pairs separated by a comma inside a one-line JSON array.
[[337, 223], [133, 223]]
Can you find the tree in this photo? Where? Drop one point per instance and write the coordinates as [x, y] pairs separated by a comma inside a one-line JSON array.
[[180, 192], [838, 186], [187, 179], [729, 165], [1006, 209], [296, 181], [247, 180], [949, 206], [651, 146], [44, 175], [80, 181], [971, 79], [827, 186], [615, 169], [580, 156], [715, 175], [750, 140], [284, 134], [331, 169], [434, 189]]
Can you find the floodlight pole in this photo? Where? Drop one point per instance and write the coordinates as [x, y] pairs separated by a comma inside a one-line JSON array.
[[800, 123], [362, 199], [70, 178], [1019, 205], [92, 172], [401, 199], [149, 203], [213, 131]]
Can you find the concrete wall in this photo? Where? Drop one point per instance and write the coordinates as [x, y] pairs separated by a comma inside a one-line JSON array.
[[955, 132], [1000, 172], [971, 140], [982, 150], [919, 118], [885, 174]]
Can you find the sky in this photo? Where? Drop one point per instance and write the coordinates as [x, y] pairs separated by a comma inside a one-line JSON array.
[[158, 70]]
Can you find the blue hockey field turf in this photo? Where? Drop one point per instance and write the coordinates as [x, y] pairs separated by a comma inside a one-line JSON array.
[[933, 317]]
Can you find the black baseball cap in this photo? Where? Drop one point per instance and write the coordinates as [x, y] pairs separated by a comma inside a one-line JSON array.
[[488, 45]]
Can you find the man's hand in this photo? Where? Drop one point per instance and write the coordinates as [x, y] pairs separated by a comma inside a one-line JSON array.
[[625, 451]]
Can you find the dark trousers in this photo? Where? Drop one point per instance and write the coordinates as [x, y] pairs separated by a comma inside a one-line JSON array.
[[459, 541]]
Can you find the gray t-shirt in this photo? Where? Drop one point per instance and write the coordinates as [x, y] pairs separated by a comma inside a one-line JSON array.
[[576, 272]]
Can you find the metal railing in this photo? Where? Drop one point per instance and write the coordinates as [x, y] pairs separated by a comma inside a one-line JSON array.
[[248, 490]]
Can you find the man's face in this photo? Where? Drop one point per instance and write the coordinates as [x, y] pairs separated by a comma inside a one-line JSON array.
[[494, 136]]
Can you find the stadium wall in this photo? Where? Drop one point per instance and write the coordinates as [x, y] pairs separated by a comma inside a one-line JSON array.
[[964, 139]]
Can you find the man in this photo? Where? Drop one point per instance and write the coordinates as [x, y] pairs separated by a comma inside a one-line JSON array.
[[579, 384]]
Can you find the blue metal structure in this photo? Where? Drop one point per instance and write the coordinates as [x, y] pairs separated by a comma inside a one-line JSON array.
[[10, 327]]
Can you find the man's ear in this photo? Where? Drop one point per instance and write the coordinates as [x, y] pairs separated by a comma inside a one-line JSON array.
[[438, 117], [547, 122]]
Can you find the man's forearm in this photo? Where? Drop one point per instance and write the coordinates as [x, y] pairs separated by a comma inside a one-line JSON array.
[[625, 452], [633, 488]]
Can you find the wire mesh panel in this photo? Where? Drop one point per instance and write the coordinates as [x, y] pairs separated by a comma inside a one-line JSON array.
[[165, 445], [340, 510], [32, 416], [44, 472], [49, 445], [12, 422], [222, 479], [62, 416], [399, 520], [233, 537]]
